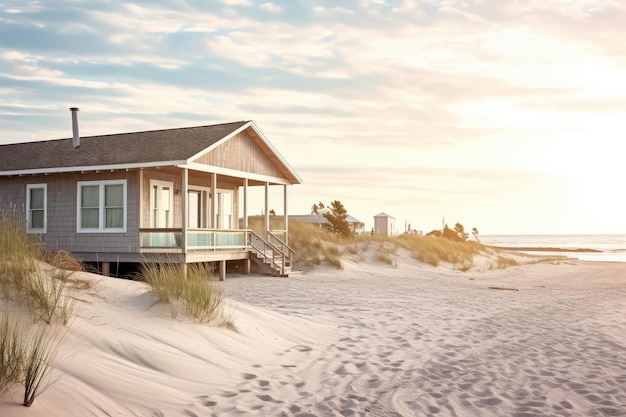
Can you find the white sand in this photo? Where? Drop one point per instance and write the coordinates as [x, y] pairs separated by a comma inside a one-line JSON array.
[[370, 340]]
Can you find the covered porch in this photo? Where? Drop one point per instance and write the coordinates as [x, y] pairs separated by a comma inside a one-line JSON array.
[[195, 213]]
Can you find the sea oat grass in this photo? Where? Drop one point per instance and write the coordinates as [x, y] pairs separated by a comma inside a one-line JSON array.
[[192, 288], [47, 297], [502, 262], [23, 280], [386, 252], [433, 250], [39, 358], [11, 353], [27, 356], [331, 254]]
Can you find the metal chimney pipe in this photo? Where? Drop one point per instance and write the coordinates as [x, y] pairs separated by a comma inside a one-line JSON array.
[[76, 138]]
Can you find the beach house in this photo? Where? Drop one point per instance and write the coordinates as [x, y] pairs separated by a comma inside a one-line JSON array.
[[172, 195]]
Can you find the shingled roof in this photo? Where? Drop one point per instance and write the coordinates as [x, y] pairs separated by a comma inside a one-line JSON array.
[[138, 148]]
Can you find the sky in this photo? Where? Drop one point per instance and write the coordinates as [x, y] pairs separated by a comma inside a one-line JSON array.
[[504, 115]]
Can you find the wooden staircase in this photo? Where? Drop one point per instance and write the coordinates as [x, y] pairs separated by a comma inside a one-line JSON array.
[[273, 256]]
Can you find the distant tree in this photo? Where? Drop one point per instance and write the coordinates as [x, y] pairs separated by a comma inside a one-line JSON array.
[[460, 231], [272, 212], [451, 234], [318, 208], [457, 234], [337, 219], [475, 234]]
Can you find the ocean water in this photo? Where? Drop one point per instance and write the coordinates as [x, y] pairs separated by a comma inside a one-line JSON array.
[[607, 248]]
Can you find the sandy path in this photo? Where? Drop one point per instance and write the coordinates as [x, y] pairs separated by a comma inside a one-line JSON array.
[[416, 340]]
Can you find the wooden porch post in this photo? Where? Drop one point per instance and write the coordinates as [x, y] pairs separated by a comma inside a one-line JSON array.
[[247, 264], [245, 203], [222, 272], [141, 200], [185, 222], [267, 212], [286, 221], [213, 200]]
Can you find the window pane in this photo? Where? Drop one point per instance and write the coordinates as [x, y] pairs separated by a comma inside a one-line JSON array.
[[114, 217], [36, 219], [227, 203], [89, 196], [114, 195], [166, 196], [36, 198], [89, 218]]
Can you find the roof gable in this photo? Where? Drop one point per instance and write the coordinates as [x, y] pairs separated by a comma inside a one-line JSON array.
[[246, 151]]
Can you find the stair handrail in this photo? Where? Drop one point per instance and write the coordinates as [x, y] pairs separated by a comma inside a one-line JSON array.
[[283, 246], [274, 249]]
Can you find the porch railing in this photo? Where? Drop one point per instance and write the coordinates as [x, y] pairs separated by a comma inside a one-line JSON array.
[[196, 238]]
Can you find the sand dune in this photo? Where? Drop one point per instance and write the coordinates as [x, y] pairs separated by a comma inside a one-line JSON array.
[[369, 340]]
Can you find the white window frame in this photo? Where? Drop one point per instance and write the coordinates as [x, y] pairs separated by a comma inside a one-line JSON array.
[[160, 184], [219, 215], [102, 212], [30, 229]]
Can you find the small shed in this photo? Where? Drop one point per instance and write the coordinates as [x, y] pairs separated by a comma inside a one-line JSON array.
[[384, 224]]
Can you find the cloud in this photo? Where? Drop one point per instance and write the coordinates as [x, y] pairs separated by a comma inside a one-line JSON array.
[[272, 7]]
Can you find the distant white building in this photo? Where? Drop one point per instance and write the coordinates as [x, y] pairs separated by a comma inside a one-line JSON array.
[[384, 224]]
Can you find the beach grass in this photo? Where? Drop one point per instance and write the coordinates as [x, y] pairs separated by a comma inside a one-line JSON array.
[[315, 246], [24, 281], [35, 307], [192, 289], [434, 250], [11, 352]]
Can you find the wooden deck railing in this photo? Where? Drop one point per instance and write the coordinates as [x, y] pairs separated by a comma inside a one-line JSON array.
[[171, 238]]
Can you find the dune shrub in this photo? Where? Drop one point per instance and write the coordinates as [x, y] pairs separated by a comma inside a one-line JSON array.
[[191, 288], [64, 260]]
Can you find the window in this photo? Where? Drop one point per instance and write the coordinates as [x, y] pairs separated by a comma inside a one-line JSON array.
[[161, 201], [101, 206], [36, 208], [224, 215]]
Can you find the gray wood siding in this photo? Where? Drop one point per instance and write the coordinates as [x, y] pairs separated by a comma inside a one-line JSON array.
[[62, 211], [242, 153]]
